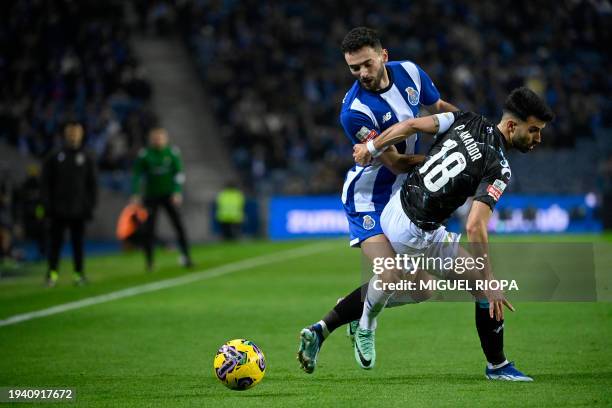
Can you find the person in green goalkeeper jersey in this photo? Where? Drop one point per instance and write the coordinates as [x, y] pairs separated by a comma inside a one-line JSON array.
[[157, 181]]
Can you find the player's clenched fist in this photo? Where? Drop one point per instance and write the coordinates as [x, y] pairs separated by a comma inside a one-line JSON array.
[[361, 154]]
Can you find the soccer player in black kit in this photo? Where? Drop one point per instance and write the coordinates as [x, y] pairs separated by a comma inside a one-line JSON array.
[[467, 159]]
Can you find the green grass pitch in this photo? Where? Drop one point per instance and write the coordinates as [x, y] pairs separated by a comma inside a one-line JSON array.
[[156, 349]]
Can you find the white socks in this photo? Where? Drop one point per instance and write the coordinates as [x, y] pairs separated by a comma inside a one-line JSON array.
[[374, 303], [496, 366], [324, 329]]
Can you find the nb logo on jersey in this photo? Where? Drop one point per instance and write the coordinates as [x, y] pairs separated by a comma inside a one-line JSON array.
[[489, 129], [387, 117]]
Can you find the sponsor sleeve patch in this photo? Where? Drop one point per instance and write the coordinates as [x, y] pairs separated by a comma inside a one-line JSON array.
[[494, 192], [500, 184], [365, 135]]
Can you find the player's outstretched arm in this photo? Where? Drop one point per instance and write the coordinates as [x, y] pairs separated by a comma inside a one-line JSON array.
[[476, 228], [401, 131], [404, 129]]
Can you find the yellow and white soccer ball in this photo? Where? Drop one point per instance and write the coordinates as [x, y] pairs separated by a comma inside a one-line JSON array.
[[239, 364]]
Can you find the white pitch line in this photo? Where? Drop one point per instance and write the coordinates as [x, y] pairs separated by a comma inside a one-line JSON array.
[[169, 283]]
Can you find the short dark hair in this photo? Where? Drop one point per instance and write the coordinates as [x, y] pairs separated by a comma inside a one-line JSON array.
[[360, 37], [157, 128], [70, 123], [523, 102]]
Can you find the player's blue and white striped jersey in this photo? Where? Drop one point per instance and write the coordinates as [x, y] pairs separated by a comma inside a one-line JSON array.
[[366, 114]]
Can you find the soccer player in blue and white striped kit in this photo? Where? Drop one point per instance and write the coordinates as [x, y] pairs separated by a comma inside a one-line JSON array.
[[384, 93]]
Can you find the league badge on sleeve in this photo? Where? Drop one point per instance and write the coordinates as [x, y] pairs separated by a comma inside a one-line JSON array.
[[496, 189], [365, 135], [500, 185]]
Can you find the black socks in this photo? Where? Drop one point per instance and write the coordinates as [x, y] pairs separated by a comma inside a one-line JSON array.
[[348, 309], [491, 333]]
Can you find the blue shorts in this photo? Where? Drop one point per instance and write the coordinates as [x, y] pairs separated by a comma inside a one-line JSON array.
[[363, 225]]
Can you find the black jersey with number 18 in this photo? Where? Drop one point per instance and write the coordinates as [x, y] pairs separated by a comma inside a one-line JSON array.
[[466, 160]]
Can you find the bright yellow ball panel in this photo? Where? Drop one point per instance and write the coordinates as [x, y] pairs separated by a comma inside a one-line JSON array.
[[239, 364]]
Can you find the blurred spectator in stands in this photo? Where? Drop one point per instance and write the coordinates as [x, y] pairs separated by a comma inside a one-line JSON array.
[[31, 210], [157, 181], [6, 216], [605, 175], [64, 60], [69, 191], [230, 211]]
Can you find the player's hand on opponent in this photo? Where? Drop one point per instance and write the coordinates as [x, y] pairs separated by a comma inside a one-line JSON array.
[[361, 154], [497, 301]]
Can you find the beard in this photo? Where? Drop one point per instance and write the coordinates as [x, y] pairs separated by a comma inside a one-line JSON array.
[[523, 144], [373, 84], [523, 148]]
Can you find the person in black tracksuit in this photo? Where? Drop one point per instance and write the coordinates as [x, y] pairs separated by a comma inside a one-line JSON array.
[[69, 192]]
